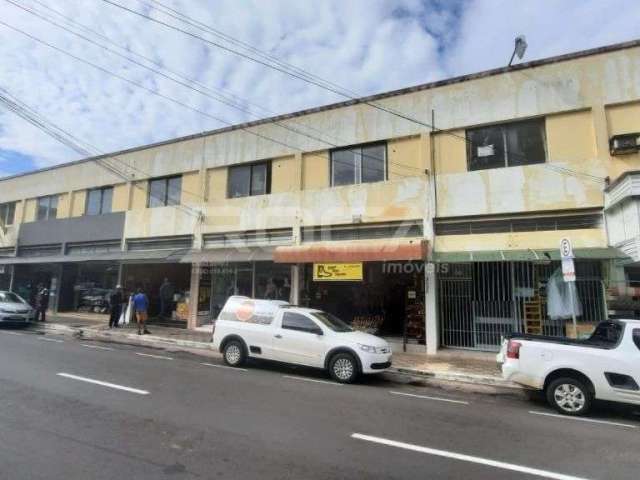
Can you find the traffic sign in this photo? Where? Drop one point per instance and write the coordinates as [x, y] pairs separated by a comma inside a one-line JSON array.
[[566, 250], [568, 270]]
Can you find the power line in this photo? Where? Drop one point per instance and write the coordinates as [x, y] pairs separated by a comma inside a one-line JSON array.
[[557, 168], [156, 92], [67, 139], [291, 70], [185, 81]]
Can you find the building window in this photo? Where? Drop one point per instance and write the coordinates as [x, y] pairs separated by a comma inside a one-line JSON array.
[[363, 164], [164, 192], [99, 201], [7, 213], [248, 180], [47, 207], [506, 145]]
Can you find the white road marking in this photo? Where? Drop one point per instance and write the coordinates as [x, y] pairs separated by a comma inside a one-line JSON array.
[[154, 356], [97, 347], [104, 384], [466, 458], [51, 340], [313, 380], [13, 333], [581, 419], [425, 397], [224, 366]]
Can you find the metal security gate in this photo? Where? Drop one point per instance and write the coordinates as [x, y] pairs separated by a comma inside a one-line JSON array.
[[482, 301]]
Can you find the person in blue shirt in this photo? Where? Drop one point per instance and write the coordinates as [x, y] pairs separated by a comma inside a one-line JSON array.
[[141, 307]]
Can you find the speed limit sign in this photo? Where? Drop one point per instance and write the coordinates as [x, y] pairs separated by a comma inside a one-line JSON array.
[[566, 250]]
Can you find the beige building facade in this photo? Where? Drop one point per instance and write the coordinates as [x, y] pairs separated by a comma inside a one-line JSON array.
[[447, 200]]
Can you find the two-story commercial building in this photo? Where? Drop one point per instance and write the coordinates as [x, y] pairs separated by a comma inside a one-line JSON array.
[[430, 215]]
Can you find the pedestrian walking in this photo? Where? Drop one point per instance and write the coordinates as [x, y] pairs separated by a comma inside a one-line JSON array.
[[141, 307], [116, 300], [42, 303]]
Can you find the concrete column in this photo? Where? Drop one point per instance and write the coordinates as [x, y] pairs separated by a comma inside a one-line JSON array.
[[119, 281], [432, 326], [193, 296], [12, 277], [54, 298], [295, 285]]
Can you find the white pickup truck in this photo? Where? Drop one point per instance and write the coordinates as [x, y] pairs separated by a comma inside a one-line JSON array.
[[573, 373], [274, 330]]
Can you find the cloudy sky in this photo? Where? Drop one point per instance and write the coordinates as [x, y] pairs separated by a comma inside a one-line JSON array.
[[363, 46]]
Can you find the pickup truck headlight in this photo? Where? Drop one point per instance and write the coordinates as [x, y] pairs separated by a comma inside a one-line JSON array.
[[372, 349], [2, 310]]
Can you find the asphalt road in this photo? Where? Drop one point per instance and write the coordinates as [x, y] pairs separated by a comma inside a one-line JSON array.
[[77, 410]]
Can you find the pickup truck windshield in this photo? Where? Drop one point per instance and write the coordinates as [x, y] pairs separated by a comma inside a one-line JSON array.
[[331, 321], [8, 297]]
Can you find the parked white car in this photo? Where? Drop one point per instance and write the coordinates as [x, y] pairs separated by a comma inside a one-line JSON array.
[[573, 373], [14, 309], [275, 330]]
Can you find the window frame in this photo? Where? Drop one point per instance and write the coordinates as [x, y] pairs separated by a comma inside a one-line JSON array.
[[635, 336], [504, 126], [165, 200], [317, 328], [101, 203], [358, 165], [8, 207], [250, 166], [49, 199]]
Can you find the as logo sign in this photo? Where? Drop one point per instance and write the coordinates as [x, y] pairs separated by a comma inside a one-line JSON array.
[[337, 272]]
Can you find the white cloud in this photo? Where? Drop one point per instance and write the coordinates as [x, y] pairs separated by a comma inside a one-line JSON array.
[[364, 45]]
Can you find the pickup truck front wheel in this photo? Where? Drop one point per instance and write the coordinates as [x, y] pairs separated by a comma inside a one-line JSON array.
[[569, 396], [343, 368], [234, 354]]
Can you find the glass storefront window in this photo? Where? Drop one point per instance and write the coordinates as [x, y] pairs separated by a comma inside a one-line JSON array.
[[264, 280], [273, 281]]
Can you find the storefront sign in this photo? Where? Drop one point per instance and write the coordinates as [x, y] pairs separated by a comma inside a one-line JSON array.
[[337, 272]]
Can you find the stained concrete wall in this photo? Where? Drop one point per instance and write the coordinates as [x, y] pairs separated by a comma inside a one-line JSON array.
[[78, 203], [584, 238], [584, 100]]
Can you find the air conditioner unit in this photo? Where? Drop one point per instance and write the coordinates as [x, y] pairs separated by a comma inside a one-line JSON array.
[[623, 144]]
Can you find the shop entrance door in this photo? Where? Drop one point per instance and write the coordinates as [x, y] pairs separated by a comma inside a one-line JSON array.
[[228, 280]]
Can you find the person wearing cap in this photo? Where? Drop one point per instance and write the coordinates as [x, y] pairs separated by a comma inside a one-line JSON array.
[[116, 300]]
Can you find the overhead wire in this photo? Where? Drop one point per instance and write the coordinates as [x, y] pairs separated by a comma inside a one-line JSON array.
[[69, 140], [557, 168], [183, 80], [296, 72], [160, 94]]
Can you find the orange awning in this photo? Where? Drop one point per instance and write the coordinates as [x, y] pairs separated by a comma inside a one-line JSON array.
[[359, 251]]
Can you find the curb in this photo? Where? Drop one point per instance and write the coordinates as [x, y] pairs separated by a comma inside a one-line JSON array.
[[471, 382], [474, 379], [149, 340]]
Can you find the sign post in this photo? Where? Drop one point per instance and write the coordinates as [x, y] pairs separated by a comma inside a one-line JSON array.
[[569, 275]]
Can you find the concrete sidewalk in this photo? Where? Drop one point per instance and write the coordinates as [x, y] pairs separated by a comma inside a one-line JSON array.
[[463, 369]]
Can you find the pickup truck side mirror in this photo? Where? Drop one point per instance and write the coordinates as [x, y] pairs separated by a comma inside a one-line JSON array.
[[317, 331]]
